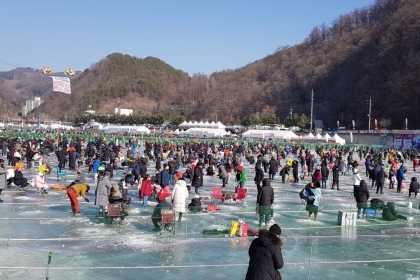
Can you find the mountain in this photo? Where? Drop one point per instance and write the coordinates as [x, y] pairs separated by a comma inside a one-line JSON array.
[[372, 52]]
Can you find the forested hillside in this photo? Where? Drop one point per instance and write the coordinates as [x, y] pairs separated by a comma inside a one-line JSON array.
[[371, 52]]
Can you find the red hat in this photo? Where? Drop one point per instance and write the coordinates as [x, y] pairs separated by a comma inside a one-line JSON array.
[[179, 174], [240, 168]]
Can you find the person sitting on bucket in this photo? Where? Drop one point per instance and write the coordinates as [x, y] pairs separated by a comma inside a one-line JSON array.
[[157, 213]]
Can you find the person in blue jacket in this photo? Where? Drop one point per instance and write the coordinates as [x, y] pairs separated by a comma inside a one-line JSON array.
[[96, 164], [164, 176], [400, 177]]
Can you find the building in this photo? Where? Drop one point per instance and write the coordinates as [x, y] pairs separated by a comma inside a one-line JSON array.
[[30, 105], [126, 112]]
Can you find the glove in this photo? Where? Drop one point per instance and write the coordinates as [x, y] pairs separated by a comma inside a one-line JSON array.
[[87, 200]]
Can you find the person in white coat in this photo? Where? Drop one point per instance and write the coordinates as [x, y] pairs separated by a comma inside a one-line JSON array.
[[179, 195], [356, 179]]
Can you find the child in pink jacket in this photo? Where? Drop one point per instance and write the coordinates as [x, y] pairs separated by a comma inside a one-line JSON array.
[[40, 183]]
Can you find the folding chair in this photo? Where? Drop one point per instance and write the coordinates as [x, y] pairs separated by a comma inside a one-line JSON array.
[[61, 173], [216, 195], [370, 214], [114, 213], [167, 223], [240, 197]]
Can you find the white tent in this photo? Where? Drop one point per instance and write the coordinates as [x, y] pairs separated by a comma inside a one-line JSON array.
[[310, 136], [326, 137], [175, 132], [183, 124], [337, 139], [318, 136], [203, 132], [269, 134]]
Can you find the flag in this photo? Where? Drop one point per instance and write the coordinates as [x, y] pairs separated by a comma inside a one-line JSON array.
[[351, 137], [338, 124], [354, 124], [376, 124], [61, 84], [406, 123]]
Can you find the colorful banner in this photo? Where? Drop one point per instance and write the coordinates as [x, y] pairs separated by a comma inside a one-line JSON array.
[[416, 142], [376, 124], [383, 139], [398, 139], [408, 141], [61, 84]]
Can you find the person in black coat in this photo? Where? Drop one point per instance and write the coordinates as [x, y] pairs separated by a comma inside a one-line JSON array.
[[265, 200], [19, 180], [265, 256], [195, 205], [336, 176], [283, 172], [158, 162], [259, 176], [380, 180], [197, 180], [295, 166], [157, 213], [325, 172], [414, 187], [361, 194], [273, 167]]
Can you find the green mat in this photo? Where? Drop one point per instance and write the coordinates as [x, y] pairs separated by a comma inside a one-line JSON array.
[[382, 221]]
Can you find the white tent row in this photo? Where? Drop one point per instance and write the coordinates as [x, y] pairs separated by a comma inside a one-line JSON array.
[[125, 128], [270, 134], [201, 124], [203, 132], [334, 139]]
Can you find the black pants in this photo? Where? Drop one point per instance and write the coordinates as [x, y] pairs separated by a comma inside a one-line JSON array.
[[28, 163], [258, 189], [410, 192], [379, 186], [272, 176], [224, 182], [335, 183], [283, 179]]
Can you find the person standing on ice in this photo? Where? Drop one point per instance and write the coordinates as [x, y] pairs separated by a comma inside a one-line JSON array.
[[3, 177], [102, 192], [179, 195], [265, 256]]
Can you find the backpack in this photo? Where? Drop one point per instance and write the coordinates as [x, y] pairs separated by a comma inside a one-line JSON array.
[[302, 195], [376, 203]]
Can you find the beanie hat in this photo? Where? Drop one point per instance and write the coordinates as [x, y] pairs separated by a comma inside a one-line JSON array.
[[196, 196], [240, 168], [179, 174], [275, 229]]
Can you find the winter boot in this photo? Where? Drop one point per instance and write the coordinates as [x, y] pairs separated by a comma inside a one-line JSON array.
[[180, 217], [316, 217], [101, 212], [310, 217]]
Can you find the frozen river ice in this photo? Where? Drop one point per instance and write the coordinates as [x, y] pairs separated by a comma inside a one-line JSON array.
[[84, 248]]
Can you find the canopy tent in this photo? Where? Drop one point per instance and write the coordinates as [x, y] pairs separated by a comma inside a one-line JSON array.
[[337, 139], [175, 132], [203, 132], [269, 134], [310, 136], [125, 128], [318, 136], [201, 124], [326, 137]]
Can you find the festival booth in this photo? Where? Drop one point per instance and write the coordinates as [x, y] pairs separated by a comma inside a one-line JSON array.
[[125, 128], [325, 138], [310, 137], [318, 136], [270, 134], [337, 139], [201, 124], [175, 132], [203, 133]]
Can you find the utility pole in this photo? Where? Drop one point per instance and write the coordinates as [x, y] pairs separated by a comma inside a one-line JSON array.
[[312, 109], [370, 110]]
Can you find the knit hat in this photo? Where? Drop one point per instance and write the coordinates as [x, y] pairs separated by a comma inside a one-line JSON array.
[[275, 229], [196, 196], [179, 174], [240, 168]]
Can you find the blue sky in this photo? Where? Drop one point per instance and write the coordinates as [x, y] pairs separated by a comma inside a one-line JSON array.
[[194, 36]]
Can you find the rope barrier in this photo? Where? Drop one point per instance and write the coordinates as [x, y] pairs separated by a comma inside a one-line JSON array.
[[201, 265]]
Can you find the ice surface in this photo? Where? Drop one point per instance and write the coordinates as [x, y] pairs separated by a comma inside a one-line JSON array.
[[83, 248]]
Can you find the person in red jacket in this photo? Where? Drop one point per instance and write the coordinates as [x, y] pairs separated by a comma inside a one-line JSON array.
[[415, 163], [146, 189]]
